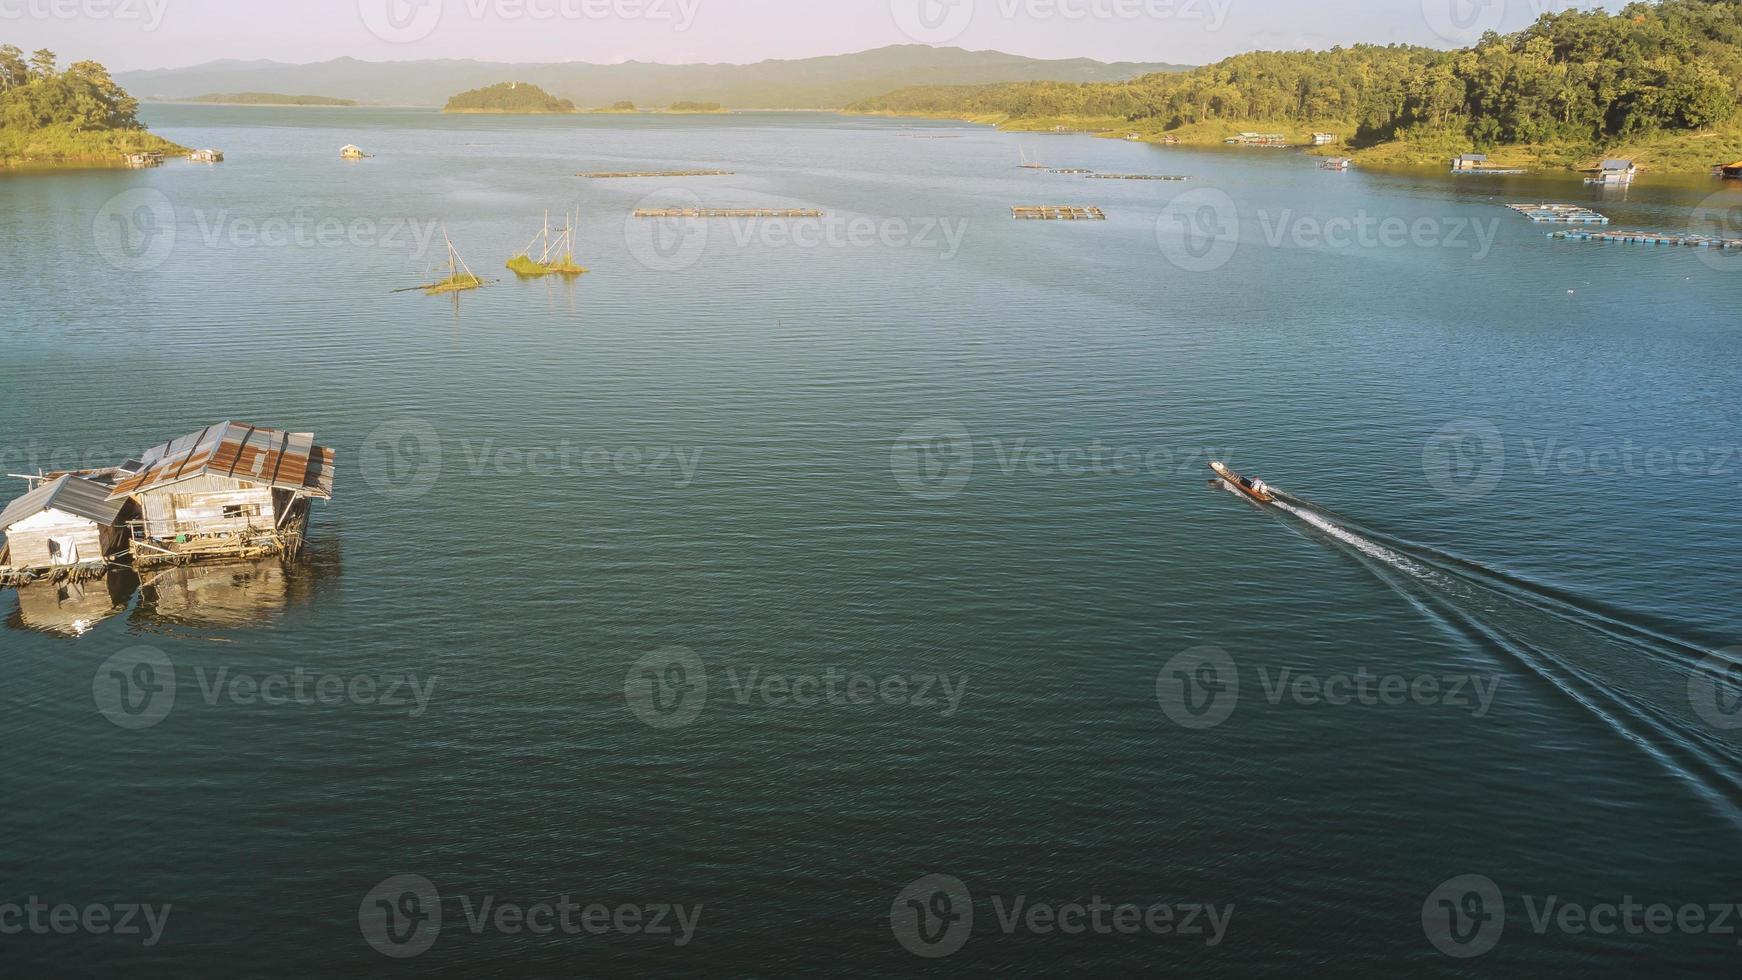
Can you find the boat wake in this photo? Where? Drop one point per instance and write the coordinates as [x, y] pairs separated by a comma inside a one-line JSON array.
[[1631, 672]]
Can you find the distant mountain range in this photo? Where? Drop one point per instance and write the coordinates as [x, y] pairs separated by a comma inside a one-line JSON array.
[[811, 83]]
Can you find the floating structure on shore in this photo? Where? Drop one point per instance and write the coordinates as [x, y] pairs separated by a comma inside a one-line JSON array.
[[140, 161], [1614, 173], [1565, 214], [1337, 163], [1057, 212], [555, 257], [1029, 163], [1729, 171], [351, 151], [1136, 177], [625, 174], [1071, 170], [228, 491], [727, 213], [1271, 140], [1649, 238], [1476, 164], [207, 156], [1325, 139]]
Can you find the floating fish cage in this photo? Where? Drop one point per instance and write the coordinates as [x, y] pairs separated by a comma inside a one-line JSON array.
[[624, 174], [1563, 214], [1649, 238], [1057, 212], [727, 213], [1135, 177]]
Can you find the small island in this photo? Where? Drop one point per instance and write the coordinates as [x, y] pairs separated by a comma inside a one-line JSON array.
[[269, 98], [696, 107], [509, 97], [76, 117]]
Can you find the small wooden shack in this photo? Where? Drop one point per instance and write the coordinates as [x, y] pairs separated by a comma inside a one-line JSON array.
[[141, 160], [1470, 161], [1324, 139], [207, 156], [67, 522], [1614, 173], [230, 490], [1731, 171]]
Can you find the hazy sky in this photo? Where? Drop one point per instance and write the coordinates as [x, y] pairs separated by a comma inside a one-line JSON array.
[[127, 34]]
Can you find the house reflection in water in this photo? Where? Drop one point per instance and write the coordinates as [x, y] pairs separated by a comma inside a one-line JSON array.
[[72, 608], [232, 594]]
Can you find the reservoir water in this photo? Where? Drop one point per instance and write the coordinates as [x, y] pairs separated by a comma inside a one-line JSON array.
[[777, 566]]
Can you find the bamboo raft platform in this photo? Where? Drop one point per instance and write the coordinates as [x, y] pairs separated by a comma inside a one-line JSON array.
[[1565, 214], [619, 175], [1648, 238], [1057, 212], [1071, 170], [727, 213], [1135, 177]]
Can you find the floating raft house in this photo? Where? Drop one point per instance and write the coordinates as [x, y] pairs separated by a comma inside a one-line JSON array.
[[1564, 214], [1071, 170], [1057, 212]]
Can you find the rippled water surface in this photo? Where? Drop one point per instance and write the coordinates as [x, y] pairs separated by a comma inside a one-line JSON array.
[[939, 443]]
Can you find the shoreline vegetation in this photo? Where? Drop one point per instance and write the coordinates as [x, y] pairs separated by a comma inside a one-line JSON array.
[[266, 98], [1659, 83], [73, 118]]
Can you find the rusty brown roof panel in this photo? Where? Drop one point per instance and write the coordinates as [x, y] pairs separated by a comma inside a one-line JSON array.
[[234, 450]]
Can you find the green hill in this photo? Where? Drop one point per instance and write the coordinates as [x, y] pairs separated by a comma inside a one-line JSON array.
[[76, 116], [269, 98], [518, 97], [1663, 80]]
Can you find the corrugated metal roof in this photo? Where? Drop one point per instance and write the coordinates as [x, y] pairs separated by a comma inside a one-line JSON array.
[[1617, 164], [74, 495], [237, 451]]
